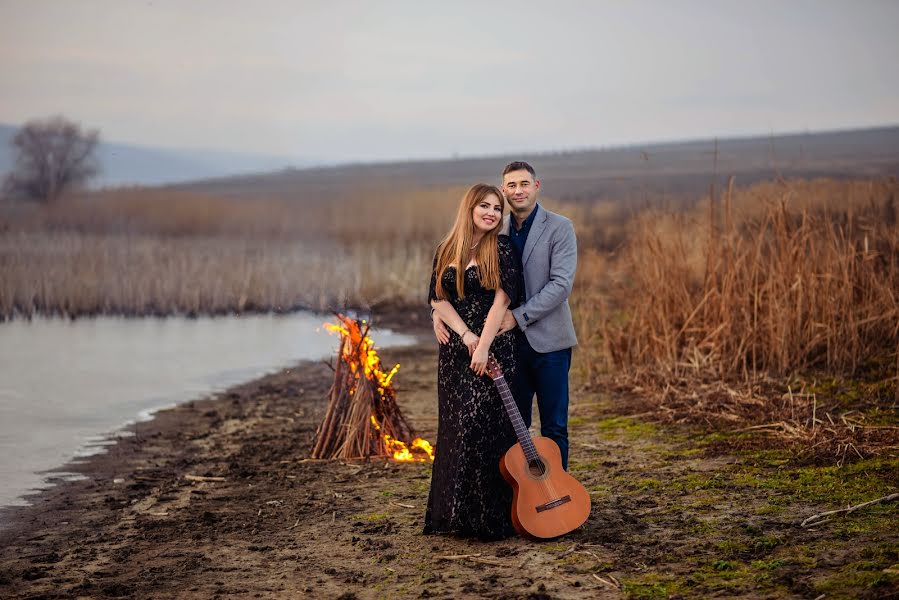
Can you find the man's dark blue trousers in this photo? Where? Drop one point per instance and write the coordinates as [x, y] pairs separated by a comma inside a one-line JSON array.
[[545, 374]]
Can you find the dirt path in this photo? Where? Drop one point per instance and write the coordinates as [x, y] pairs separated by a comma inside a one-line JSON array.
[[670, 518]]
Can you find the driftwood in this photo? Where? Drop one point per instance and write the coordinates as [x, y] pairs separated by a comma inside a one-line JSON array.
[[362, 419]]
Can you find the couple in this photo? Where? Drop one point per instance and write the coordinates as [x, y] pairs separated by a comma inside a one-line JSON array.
[[499, 286]]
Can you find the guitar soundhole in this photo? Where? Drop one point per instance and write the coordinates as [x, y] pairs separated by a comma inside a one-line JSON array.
[[537, 468]]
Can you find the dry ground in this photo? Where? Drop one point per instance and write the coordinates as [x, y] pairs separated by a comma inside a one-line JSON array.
[[670, 517]]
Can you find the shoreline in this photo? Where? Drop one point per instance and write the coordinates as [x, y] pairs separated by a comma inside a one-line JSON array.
[[87, 415], [145, 455], [217, 498]]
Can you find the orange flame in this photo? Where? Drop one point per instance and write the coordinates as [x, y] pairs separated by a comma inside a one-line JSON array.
[[420, 450], [400, 451]]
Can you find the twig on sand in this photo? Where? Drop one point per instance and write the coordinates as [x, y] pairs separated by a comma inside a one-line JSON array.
[[401, 504], [820, 517], [457, 556], [475, 558], [294, 525], [203, 478], [490, 561], [611, 581]]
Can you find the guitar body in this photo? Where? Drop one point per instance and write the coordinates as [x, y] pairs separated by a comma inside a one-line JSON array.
[[547, 502]]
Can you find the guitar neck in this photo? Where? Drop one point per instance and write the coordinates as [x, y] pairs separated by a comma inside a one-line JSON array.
[[521, 432]]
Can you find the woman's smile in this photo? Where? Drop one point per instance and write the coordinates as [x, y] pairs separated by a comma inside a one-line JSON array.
[[487, 213]]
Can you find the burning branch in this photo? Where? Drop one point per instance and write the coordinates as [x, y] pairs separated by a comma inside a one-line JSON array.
[[363, 418]]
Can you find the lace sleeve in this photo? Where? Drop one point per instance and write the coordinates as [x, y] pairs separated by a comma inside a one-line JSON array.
[[510, 272]]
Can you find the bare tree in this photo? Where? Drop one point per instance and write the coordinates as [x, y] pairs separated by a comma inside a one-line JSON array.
[[52, 156]]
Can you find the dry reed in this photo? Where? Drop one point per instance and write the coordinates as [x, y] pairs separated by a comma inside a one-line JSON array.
[[780, 291], [84, 274], [725, 316], [704, 311], [141, 252]]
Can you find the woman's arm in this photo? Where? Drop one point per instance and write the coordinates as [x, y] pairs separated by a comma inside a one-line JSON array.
[[491, 326], [444, 309]]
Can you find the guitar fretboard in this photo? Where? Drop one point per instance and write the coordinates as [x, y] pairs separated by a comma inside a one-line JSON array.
[[521, 432]]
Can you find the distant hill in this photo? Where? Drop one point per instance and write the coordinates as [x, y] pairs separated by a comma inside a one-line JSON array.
[[674, 169], [125, 164], [677, 169]]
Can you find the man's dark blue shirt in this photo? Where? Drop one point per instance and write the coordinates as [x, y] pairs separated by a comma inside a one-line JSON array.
[[519, 237]]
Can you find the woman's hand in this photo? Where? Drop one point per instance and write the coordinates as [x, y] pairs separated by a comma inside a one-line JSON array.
[[471, 341], [479, 360]]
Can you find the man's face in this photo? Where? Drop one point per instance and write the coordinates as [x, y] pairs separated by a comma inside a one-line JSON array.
[[520, 189]]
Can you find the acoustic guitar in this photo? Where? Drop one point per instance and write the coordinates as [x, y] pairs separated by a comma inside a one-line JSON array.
[[546, 501]]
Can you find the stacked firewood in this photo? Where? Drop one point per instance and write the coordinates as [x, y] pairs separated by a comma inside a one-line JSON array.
[[363, 418]]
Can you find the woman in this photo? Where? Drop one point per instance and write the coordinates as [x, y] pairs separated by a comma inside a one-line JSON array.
[[468, 495]]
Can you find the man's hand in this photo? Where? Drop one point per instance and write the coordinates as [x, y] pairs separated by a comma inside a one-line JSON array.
[[441, 332], [508, 323]]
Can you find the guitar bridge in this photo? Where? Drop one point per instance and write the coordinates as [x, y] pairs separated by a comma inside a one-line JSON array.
[[553, 503]]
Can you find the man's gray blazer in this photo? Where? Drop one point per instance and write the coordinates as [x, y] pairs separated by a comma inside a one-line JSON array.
[[549, 260]]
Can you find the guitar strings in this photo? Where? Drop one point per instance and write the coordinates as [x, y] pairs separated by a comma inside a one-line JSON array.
[[523, 434], [518, 425], [521, 431]]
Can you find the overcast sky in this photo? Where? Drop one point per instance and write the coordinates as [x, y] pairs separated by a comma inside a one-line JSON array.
[[378, 80]]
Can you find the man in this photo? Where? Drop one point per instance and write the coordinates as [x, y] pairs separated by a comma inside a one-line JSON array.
[[546, 244]]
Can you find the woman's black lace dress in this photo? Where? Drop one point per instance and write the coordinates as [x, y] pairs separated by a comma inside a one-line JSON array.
[[469, 496]]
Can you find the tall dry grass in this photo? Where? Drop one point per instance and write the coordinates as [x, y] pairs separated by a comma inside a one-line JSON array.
[[84, 274], [774, 279], [151, 252], [698, 308], [409, 215], [732, 315]]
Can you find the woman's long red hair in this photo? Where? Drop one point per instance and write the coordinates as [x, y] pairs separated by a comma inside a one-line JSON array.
[[455, 248]]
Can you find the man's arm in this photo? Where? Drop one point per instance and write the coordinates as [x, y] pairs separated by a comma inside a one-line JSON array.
[[563, 264], [444, 309]]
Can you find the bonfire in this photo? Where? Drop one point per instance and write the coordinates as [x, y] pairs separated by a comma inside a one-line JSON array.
[[363, 419]]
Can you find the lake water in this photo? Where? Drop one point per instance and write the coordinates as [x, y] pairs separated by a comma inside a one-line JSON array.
[[67, 387]]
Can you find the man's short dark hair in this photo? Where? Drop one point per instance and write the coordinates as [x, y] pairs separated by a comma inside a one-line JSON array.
[[519, 165]]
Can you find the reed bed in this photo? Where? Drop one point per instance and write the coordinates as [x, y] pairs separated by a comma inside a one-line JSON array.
[[725, 313], [728, 315], [791, 286], [411, 215], [139, 252], [79, 274]]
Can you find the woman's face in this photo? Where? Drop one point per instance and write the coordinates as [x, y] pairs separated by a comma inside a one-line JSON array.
[[487, 213]]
